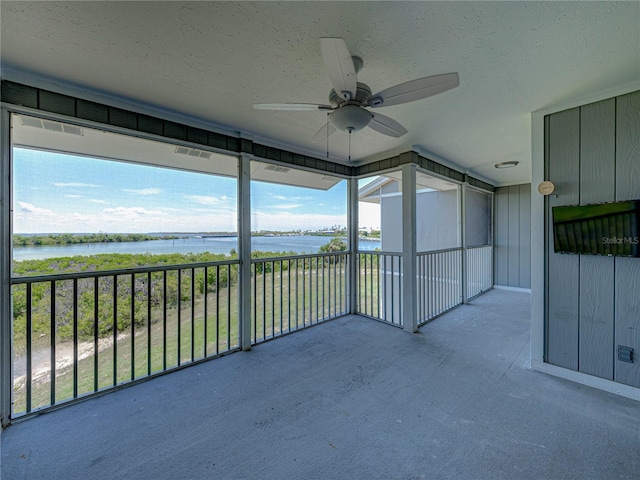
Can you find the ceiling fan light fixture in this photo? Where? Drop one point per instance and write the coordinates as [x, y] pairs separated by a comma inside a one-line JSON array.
[[350, 118], [509, 164]]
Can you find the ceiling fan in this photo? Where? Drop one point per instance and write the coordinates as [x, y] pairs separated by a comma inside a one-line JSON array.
[[349, 99]]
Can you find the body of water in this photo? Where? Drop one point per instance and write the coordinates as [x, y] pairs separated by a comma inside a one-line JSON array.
[[190, 244]]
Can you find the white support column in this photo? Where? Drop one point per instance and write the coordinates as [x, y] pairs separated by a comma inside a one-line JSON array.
[[463, 239], [409, 280], [244, 250], [5, 268], [538, 255], [352, 244]]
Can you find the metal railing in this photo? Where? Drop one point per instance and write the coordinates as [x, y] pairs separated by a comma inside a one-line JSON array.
[[439, 276], [380, 286], [294, 292], [81, 333], [479, 263]]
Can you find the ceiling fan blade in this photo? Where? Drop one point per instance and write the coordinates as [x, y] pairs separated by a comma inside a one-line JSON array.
[[387, 126], [414, 90], [339, 66], [299, 107], [321, 135]]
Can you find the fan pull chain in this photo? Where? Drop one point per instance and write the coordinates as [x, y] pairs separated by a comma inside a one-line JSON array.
[[350, 130], [327, 128]]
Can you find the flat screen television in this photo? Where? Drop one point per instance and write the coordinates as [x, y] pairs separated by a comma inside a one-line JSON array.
[[598, 229]]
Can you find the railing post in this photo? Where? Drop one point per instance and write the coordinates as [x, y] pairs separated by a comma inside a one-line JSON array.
[[244, 250], [352, 245], [5, 268], [463, 235], [409, 254]]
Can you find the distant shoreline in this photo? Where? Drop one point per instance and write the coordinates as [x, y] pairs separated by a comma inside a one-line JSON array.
[[34, 240], [298, 244], [51, 239]]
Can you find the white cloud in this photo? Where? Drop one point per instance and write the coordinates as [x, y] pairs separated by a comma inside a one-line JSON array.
[[78, 217], [208, 200], [291, 199], [32, 209], [133, 211], [223, 210], [95, 200], [287, 206], [75, 184], [143, 191], [74, 196], [32, 219]]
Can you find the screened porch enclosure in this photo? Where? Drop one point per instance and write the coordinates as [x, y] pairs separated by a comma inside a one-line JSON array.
[[85, 331], [445, 226]]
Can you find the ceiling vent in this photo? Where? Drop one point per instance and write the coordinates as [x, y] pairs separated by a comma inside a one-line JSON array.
[[276, 168], [51, 125], [193, 152]]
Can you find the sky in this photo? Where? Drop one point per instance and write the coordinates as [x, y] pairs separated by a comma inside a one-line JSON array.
[[62, 193]]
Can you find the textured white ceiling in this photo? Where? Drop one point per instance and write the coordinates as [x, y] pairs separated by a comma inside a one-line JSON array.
[[213, 60]]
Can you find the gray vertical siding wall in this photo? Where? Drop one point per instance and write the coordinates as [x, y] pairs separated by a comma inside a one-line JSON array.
[[512, 240], [593, 303]]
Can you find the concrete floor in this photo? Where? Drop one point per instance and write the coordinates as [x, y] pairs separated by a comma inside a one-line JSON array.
[[350, 399]]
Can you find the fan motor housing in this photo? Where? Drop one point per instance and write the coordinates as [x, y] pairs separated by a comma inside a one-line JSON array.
[[362, 94]]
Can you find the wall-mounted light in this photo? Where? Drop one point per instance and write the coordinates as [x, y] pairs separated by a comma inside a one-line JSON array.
[[509, 164]]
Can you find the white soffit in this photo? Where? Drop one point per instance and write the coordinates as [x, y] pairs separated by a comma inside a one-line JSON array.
[[282, 174], [54, 136], [41, 134]]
